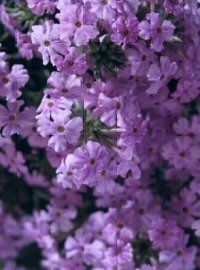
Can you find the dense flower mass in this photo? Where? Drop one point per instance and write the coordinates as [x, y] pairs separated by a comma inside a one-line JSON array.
[[100, 135]]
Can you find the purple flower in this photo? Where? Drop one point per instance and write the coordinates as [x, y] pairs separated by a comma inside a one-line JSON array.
[[174, 6], [165, 234], [125, 31], [12, 159], [73, 63], [105, 177], [143, 210], [189, 209], [135, 129], [39, 7], [181, 257], [25, 45], [46, 37], [67, 172], [61, 219], [105, 9], [12, 120], [109, 109], [53, 105], [178, 152], [8, 20], [30, 132], [77, 24], [156, 30], [187, 90], [106, 168], [94, 252], [62, 130], [129, 163], [68, 86], [119, 256], [13, 81], [91, 159], [140, 59], [196, 227], [159, 75], [74, 247]]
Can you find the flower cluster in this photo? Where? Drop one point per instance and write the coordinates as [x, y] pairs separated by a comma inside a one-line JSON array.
[[100, 135]]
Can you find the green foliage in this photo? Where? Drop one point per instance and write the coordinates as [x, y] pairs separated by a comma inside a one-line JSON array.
[[143, 250], [106, 56], [23, 16], [30, 257], [94, 129]]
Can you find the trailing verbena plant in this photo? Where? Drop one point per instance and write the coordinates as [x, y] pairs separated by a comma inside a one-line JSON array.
[[100, 135]]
